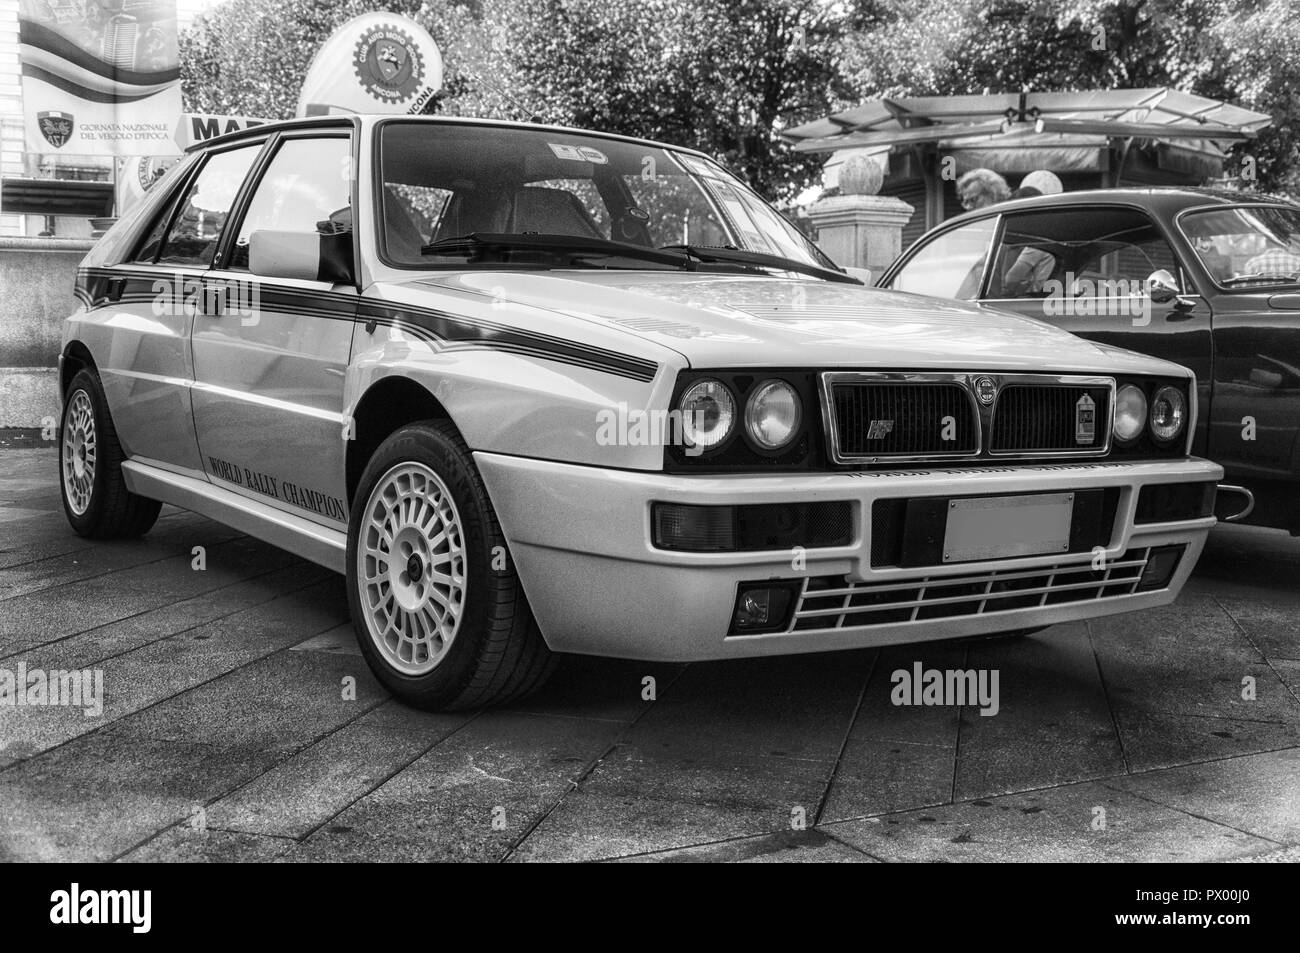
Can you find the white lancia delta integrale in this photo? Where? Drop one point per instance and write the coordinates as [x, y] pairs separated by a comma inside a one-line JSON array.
[[537, 390]]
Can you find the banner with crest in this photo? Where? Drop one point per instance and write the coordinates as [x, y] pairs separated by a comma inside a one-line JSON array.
[[100, 77]]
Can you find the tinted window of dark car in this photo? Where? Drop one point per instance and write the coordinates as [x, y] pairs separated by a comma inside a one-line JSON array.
[[1060, 245], [951, 265]]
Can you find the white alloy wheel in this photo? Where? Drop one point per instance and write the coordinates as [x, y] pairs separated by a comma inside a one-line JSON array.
[[79, 452], [411, 568]]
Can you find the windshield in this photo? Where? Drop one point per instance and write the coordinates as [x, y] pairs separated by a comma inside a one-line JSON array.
[[1247, 246], [443, 181]]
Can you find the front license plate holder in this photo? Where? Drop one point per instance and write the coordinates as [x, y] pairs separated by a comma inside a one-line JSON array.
[[1001, 527]]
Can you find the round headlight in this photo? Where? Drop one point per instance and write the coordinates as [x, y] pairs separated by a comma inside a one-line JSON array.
[[773, 414], [708, 414], [1168, 414], [1130, 413]]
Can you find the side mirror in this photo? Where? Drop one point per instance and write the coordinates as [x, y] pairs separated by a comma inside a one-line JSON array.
[[1162, 287], [309, 256], [862, 274]]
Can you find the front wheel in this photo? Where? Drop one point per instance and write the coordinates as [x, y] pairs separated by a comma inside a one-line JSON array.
[[438, 609]]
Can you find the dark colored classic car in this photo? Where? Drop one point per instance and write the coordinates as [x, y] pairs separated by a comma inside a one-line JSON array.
[[1209, 279]]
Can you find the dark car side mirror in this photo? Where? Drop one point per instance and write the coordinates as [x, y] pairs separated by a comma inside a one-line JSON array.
[[1162, 287]]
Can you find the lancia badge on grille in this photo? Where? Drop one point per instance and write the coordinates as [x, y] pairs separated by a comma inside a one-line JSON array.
[[1085, 420], [880, 429], [986, 389]]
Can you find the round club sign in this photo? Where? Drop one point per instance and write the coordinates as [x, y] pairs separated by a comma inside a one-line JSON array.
[[374, 63], [388, 64]]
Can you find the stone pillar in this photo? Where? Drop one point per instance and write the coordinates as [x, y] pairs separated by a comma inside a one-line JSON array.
[[861, 231], [37, 276]]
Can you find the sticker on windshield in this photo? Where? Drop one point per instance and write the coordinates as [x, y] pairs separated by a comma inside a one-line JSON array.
[[578, 153], [699, 167]]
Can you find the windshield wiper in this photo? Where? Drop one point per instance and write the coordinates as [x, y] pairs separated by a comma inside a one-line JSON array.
[[710, 253], [478, 246], [1237, 279]]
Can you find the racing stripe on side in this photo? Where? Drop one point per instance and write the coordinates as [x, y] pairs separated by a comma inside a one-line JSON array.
[[464, 333], [440, 329]]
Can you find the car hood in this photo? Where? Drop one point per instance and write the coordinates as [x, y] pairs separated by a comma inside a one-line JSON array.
[[746, 321]]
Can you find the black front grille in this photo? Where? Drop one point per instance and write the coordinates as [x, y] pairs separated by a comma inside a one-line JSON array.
[[900, 419], [1033, 418]]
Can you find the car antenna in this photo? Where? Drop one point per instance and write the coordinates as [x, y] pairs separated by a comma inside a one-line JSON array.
[[534, 116]]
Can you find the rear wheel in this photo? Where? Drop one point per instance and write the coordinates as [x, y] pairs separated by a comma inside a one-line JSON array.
[[438, 609], [95, 497]]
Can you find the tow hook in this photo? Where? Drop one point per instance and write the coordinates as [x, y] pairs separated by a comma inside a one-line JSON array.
[[1236, 502]]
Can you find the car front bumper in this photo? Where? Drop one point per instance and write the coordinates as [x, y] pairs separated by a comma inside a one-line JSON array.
[[581, 539]]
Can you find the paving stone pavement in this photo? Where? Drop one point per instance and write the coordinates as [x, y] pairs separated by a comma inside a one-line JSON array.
[[240, 723]]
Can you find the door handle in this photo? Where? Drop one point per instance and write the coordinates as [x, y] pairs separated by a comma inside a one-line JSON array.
[[113, 290], [214, 300]]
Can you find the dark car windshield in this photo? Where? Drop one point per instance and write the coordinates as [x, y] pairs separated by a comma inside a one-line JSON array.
[[1249, 246], [445, 181]]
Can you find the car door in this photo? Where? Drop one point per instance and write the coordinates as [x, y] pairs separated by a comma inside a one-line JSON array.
[[271, 354], [1255, 424], [948, 264], [1087, 270], [148, 371], [1256, 413]]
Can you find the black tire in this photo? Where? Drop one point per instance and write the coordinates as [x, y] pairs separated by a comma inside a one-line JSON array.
[[112, 511], [496, 654]]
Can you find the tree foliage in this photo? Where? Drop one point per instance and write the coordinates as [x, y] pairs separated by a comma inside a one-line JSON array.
[[249, 57], [727, 76], [723, 76], [1243, 51]]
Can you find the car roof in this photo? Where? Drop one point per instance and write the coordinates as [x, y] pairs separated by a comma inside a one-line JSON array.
[[343, 122], [1169, 200]]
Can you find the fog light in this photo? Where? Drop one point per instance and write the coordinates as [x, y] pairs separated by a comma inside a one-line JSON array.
[[1160, 567], [752, 610], [761, 608]]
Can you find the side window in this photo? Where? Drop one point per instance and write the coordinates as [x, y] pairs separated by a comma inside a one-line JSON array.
[[156, 208], [1134, 258], [306, 188], [1084, 248], [206, 206], [153, 241], [951, 265]]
